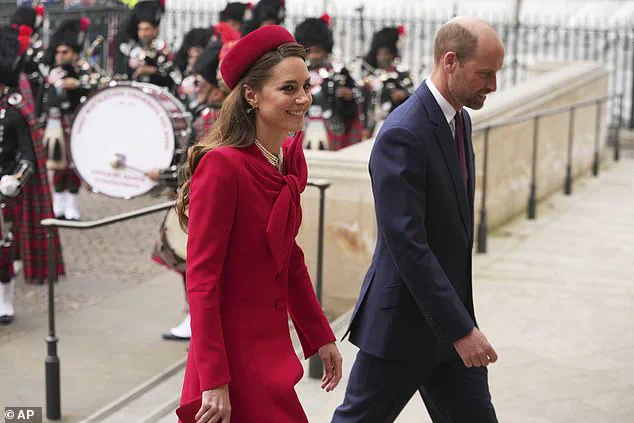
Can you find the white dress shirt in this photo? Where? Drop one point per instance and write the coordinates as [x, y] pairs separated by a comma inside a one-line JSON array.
[[447, 109]]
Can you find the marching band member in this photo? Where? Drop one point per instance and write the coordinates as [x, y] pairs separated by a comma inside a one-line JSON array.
[[23, 183], [265, 12], [27, 20], [149, 58], [387, 83], [194, 42], [68, 85], [235, 13], [336, 96]]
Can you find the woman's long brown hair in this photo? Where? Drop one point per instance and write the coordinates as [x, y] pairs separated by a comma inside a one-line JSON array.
[[234, 127]]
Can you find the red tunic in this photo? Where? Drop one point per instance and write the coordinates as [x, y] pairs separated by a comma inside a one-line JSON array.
[[245, 275]]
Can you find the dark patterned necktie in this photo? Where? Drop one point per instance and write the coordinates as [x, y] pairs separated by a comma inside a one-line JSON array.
[[459, 138]]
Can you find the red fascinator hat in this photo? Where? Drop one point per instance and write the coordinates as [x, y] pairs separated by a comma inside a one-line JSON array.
[[249, 49]]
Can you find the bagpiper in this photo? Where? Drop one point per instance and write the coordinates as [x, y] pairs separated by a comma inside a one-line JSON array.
[[265, 12], [194, 42], [24, 190], [387, 83], [148, 57], [27, 20], [334, 118], [68, 85], [235, 13]]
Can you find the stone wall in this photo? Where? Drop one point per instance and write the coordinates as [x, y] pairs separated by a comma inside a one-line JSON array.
[[350, 230]]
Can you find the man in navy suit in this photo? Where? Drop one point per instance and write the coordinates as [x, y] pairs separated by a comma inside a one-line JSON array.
[[414, 322]]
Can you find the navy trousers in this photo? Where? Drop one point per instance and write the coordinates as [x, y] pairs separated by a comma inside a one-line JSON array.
[[379, 389]]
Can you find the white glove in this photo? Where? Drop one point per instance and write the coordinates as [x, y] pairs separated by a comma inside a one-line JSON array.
[[9, 186], [55, 76]]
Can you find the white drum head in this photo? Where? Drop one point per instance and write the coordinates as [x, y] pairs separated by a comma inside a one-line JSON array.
[[175, 237], [121, 120]]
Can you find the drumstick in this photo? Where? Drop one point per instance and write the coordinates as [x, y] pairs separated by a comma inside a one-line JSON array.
[[119, 162]]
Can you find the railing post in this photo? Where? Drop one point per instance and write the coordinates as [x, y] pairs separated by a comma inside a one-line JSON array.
[[315, 366], [571, 134], [617, 134], [53, 383], [595, 162], [532, 198], [482, 225]]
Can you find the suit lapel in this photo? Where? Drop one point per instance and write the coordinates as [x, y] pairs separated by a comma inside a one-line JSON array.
[[448, 148]]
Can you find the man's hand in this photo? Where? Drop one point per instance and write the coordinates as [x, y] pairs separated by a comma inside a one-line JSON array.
[[344, 92], [332, 360], [146, 70], [154, 174], [215, 406], [9, 186], [475, 350], [70, 83]]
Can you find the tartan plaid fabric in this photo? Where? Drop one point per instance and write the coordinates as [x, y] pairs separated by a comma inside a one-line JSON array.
[[351, 135], [66, 180], [35, 204], [205, 121]]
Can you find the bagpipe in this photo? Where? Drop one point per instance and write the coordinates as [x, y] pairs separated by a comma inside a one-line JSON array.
[[380, 86], [155, 54], [329, 112]]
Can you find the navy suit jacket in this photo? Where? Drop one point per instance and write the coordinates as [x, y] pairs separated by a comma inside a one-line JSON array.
[[416, 298]]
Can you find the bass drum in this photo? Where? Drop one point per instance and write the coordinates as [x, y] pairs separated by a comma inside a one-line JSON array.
[[123, 131], [172, 249]]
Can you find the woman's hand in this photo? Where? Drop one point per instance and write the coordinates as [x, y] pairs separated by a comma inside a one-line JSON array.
[[215, 406], [332, 360]]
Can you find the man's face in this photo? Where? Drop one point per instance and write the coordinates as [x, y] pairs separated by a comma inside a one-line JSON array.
[[384, 58], [65, 55], [193, 53], [235, 24], [317, 56], [471, 81], [147, 32]]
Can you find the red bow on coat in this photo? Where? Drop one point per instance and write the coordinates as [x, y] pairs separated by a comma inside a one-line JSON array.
[[286, 215]]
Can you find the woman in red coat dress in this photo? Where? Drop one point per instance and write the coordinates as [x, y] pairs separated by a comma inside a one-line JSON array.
[[245, 272]]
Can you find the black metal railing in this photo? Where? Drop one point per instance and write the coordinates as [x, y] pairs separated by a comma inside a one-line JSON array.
[[52, 363], [614, 126]]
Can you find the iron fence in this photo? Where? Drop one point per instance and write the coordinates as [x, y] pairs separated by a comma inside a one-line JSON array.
[[535, 40]]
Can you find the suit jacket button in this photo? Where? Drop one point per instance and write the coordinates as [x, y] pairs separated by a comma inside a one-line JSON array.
[[280, 304]]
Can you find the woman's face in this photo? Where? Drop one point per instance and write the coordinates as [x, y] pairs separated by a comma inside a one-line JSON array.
[[285, 97]]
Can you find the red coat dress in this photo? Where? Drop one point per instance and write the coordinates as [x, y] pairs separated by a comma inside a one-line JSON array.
[[245, 275]]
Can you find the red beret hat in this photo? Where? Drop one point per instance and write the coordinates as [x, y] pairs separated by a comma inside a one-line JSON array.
[[249, 49]]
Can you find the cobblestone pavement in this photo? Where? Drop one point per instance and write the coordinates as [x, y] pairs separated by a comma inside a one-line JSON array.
[[99, 261]]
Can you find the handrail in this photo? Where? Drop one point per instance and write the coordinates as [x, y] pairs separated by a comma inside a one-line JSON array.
[[105, 221], [536, 117], [526, 117]]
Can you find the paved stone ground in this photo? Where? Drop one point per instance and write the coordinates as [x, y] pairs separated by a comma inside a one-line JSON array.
[[119, 254]]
